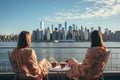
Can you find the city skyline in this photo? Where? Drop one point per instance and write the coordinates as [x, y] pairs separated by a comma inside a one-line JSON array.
[[18, 15]]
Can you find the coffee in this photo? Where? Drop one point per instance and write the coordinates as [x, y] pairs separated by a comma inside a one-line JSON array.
[[53, 64], [62, 64]]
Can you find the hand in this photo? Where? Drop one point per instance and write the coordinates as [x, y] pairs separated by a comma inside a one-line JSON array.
[[72, 61], [44, 65], [45, 62]]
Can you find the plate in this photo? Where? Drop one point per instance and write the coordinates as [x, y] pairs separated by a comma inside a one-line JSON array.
[[58, 68]]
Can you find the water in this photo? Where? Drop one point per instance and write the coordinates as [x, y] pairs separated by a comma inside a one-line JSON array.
[[44, 49], [60, 52], [61, 44]]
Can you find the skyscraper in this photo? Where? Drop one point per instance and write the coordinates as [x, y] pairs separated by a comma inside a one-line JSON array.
[[48, 33], [59, 27], [92, 29], [65, 26], [42, 25], [52, 29], [99, 28], [74, 26]]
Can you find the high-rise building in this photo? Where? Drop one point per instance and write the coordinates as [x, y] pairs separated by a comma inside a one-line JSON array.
[[51, 29], [65, 29], [42, 25], [59, 27], [81, 28], [42, 29], [99, 28], [107, 31], [66, 26], [86, 33], [82, 33], [74, 26], [48, 33], [55, 34], [70, 28], [63, 34], [92, 28], [117, 35], [39, 35], [34, 35]]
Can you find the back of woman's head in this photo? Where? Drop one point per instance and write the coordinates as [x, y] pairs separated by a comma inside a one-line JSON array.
[[96, 39], [24, 40]]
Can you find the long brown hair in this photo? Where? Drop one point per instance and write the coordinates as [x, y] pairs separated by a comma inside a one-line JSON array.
[[24, 40], [96, 39]]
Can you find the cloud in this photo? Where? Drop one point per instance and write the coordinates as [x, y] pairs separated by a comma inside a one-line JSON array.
[[100, 8], [90, 0], [108, 8]]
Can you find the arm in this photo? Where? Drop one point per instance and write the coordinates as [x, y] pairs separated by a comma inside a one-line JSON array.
[[84, 68], [44, 65], [73, 72], [32, 62]]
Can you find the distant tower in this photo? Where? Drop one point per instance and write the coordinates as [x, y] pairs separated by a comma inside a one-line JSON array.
[[86, 33], [52, 28], [92, 28], [42, 25], [82, 34], [81, 28], [65, 26], [59, 27], [99, 28], [74, 26], [70, 29], [107, 31], [48, 33]]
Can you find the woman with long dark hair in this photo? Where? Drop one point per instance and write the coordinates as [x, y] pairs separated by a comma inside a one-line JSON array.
[[93, 62], [24, 60]]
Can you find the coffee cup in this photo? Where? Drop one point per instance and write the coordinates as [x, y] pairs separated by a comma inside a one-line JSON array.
[[54, 64], [63, 65]]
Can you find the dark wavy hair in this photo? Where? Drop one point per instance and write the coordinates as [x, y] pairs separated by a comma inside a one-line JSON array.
[[24, 40], [96, 39]]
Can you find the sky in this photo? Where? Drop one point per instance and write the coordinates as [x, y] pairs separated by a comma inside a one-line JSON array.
[[19, 15]]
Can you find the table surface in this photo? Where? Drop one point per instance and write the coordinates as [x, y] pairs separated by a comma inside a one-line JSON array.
[[58, 69]]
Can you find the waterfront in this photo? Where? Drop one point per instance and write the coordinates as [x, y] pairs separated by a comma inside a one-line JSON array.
[[61, 51], [61, 44]]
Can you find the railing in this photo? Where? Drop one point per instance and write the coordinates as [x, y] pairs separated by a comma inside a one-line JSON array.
[[62, 53]]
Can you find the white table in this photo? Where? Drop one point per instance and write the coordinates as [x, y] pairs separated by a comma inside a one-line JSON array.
[[59, 70]]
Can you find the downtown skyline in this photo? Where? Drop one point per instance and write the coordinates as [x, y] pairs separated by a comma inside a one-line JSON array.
[[18, 15]]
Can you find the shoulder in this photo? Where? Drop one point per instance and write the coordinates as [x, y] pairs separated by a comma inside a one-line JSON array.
[[30, 51], [97, 49], [14, 51]]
